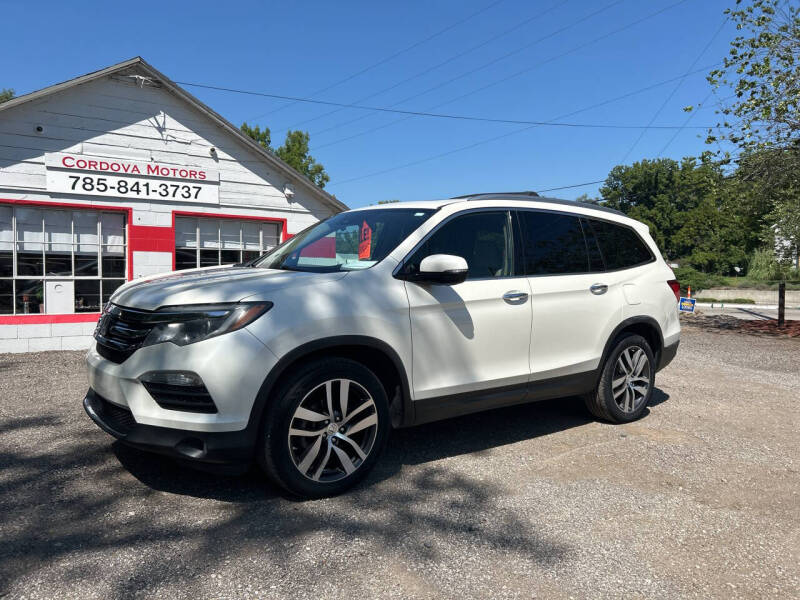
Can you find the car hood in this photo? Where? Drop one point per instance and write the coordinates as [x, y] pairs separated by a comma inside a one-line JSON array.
[[211, 285]]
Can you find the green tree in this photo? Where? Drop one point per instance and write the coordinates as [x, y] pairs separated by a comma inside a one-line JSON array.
[[689, 208], [763, 70], [762, 120], [294, 152], [6, 95], [768, 185], [647, 191], [263, 138], [586, 198]]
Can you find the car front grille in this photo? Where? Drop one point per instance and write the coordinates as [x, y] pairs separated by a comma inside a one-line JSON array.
[[120, 332]]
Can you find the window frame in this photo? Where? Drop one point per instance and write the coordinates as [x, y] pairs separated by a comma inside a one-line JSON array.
[[524, 256], [624, 226], [70, 209], [220, 219], [512, 245], [581, 217]]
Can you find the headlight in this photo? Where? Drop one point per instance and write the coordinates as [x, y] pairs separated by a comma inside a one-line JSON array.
[[183, 325]]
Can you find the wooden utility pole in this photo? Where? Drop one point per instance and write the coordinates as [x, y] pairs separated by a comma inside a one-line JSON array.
[[781, 304]]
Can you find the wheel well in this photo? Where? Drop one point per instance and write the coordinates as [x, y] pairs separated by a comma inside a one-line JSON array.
[[375, 360], [648, 332]]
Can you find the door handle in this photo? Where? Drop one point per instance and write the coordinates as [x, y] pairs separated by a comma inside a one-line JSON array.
[[515, 296], [598, 289]]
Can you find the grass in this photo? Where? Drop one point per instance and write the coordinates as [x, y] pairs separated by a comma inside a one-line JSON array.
[[731, 301], [752, 284]]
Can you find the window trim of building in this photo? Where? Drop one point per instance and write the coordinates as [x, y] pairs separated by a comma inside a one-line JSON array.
[[282, 223], [87, 317]]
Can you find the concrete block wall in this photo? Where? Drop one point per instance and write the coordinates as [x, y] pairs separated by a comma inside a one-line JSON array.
[[42, 337], [757, 296], [150, 263]]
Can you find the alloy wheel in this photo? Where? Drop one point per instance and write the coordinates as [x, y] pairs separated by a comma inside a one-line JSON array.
[[333, 430], [631, 381]]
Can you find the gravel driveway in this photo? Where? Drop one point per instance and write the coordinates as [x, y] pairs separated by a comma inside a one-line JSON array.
[[700, 498]]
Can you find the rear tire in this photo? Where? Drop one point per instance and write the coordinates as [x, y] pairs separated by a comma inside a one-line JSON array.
[[325, 427], [626, 383]]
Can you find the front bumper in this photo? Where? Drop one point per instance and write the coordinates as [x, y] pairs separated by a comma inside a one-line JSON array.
[[232, 367], [213, 448]]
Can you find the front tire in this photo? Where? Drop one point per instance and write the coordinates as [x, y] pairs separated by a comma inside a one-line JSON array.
[[326, 425], [626, 383]]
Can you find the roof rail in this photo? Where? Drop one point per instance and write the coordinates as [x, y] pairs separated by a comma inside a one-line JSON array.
[[536, 198], [531, 194]]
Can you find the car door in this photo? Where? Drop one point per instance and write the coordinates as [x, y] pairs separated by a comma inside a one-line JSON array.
[[575, 303], [474, 335]]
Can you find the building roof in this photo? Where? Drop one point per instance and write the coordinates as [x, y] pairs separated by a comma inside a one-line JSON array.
[[138, 65]]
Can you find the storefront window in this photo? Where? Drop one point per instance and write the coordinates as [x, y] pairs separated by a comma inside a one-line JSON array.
[[203, 242], [59, 261]]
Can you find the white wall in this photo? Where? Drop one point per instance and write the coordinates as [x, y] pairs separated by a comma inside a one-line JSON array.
[[116, 118]]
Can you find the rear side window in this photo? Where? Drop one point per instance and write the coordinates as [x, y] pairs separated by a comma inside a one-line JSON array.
[[622, 248], [553, 243]]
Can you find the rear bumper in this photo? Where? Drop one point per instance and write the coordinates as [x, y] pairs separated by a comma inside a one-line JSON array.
[[211, 448], [667, 354]]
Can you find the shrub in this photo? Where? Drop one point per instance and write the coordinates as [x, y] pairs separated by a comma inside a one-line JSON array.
[[697, 280], [763, 266]]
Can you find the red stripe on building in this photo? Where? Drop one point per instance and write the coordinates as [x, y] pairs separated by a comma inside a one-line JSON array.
[[39, 319], [146, 238]]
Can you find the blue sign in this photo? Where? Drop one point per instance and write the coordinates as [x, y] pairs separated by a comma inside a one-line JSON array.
[[686, 304]]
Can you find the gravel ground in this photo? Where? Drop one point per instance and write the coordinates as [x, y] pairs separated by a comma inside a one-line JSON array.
[[701, 498]]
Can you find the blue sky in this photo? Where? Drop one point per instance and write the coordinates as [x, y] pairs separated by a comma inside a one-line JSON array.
[[542, 63]]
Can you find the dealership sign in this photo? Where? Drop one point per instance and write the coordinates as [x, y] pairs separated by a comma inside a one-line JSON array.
[[121, 178]]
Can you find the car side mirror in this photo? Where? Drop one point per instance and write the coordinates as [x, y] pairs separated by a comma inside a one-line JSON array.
[[443, 268]]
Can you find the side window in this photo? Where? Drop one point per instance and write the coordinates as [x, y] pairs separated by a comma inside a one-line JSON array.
[[620, 245], [552, 243], [481, 238]]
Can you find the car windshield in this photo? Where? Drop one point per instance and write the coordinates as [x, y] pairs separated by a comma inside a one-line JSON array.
[[347, 241]]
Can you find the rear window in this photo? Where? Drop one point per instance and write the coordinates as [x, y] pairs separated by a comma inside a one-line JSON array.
[[620, 246]]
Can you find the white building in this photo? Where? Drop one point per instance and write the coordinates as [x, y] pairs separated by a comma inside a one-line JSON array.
[[120, 174]]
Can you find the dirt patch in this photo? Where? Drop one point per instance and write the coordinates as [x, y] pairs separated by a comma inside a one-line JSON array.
[[766, 327]]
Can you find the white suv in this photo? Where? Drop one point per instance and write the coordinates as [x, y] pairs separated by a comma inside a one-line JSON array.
[[384, 317]]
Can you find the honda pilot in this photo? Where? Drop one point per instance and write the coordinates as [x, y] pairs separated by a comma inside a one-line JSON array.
[[305, 359]]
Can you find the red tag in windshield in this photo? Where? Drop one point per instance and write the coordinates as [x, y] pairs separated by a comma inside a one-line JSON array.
[[365, 242]]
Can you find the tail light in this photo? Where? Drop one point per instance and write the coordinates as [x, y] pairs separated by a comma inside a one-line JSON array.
[[676, 288]]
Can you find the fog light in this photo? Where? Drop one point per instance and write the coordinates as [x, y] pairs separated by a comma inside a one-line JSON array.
[[183, 378], [178, 390]]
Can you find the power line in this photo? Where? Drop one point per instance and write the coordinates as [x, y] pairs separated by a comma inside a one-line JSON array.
[[433, 115], [617, 98], [392, 56], [518, 73], [691, 115], [675, 89], [479, 68], [440, 64], [685, 125], [576, 185], [494, 138]]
